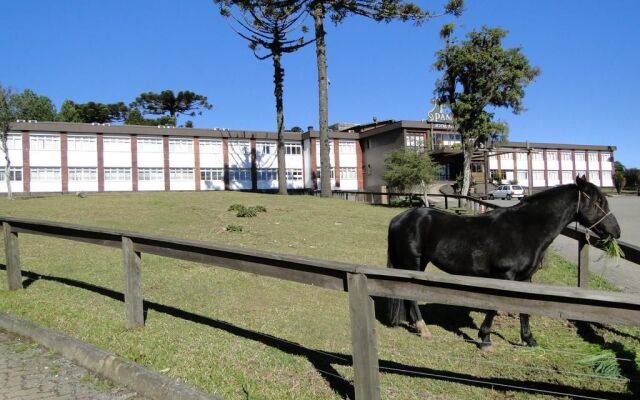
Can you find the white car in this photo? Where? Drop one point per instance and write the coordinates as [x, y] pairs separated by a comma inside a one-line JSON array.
[[507, 192]]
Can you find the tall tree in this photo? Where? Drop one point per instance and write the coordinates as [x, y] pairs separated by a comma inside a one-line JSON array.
[[135, 117], [167, 102], [479, 75], [337, 10], [68, 112], [29, 105], [8, 114], [268, 24]]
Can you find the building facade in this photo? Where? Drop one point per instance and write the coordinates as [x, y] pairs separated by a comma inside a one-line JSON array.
[[70, 157]]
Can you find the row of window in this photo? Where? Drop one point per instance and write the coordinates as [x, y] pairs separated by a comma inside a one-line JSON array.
[[554, 176], [553, 156], [348, 173], [84, 174]]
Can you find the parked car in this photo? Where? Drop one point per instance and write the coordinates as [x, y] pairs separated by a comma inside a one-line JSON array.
[[507, 192]]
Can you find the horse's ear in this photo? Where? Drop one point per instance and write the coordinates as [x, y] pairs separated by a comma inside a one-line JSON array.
[[581, 181]]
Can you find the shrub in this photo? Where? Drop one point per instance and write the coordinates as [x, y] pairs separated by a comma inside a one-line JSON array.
[[235, 207], [260, 208], [233, 228], [247, 212]]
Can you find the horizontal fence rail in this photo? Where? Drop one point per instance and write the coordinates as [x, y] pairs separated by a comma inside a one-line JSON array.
[[360, 281]]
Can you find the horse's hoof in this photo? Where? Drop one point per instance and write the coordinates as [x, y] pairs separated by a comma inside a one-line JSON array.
[[487, 347], [423, 331], [531, 342]]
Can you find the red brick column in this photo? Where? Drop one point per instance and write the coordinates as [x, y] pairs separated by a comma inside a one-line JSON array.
[[336, 161], [225, 158], [167, 175], [134, 163], [26, 167], [546, 170], [100, 148], [196, 161], [254, 167], [600, 167], [573, 159], [515, 167], [361, 165], [314, 166], [64, 162]]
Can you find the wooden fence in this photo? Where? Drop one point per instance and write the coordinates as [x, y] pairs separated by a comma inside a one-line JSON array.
[[361, 282]]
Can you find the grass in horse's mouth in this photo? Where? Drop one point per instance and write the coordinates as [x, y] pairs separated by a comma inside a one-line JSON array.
[[611, 247]]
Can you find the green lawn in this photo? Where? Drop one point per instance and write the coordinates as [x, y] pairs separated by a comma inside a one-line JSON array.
[[243, 336]]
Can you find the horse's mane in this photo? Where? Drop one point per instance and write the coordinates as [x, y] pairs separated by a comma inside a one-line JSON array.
[[549, 193]]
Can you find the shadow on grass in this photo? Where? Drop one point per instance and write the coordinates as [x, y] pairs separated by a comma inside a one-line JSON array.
[[323, 361]]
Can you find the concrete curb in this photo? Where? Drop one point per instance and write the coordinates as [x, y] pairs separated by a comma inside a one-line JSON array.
[[117, 369]]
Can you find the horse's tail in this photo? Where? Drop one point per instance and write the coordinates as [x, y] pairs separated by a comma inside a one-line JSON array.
[[395, 310]]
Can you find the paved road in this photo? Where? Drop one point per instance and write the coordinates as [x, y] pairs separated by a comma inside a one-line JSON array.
[[621, 273], [30, 372]]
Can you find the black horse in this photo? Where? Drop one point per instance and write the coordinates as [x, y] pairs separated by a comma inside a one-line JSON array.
[[506, 243]]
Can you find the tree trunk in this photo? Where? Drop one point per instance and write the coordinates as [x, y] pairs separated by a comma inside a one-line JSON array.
[[323, 108], [278, 79], [7, 176], [468, 146]]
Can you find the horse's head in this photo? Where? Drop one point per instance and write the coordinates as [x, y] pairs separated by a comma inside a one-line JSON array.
[[593, 210]]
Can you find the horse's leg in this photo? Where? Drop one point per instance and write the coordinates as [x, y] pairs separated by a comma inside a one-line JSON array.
[[525, 331], [416, 317], [485, 330]]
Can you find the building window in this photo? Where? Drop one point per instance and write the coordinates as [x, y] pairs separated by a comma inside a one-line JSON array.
[[565, 156], [211, 146], [181, 174], [45, 174], [594, 176], [239, 146], [266, 147], [44, 142], [606, 176], [293, 148], [180, 145], [593, 157], [414, 141], [294, 174], [151, 174], [605, 157], [81, 143], [267, 174], [536, 156], [538, 175], [83, 174], [498, 175], [333, 173], [506, 156], [523, 176], [212, 174], [552, 155], [581, 173], [476, 167], [117, 174], [580, 156], [14, 142], [150, 145], [117, 143], [347, 147], [521, 156], [15, 174], [239, 174], [318, 148], [552, 175], [348, 174], [567, 176]]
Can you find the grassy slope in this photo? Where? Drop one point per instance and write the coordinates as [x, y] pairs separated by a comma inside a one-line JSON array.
[[244, 342]]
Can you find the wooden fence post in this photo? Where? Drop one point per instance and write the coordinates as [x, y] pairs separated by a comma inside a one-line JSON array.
[[583, 263], [446, 202], [132, 264], [12, 257], [363, 339]]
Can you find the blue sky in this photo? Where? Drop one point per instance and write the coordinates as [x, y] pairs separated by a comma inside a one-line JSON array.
[[108, 51]]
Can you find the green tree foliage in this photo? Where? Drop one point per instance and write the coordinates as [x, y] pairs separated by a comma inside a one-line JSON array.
[[92, 112], [29, 105], [8, 112], [619, 179], [167, 102], [68, 112], [407, 168], [135, 117], [478, 75], [266, 25], [632, 178]]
